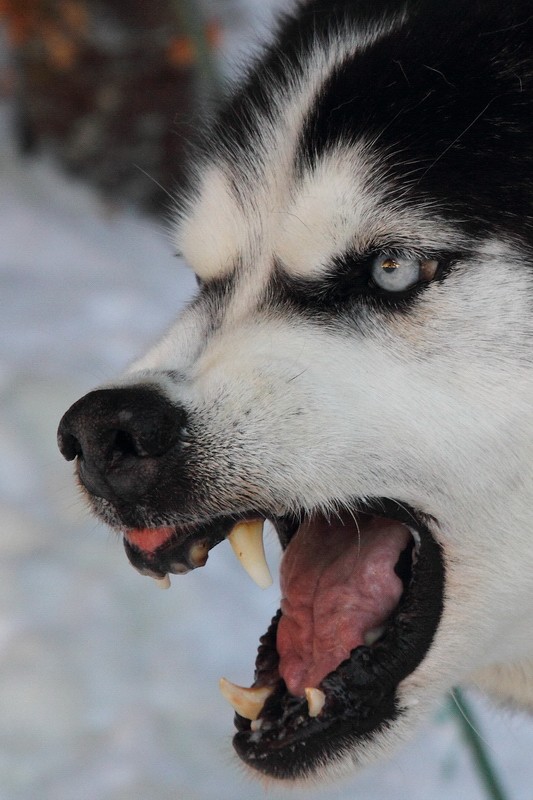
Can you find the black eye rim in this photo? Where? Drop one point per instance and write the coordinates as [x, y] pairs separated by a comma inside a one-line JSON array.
[[349, 280]]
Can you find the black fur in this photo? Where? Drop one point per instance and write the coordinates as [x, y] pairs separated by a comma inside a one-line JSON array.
[[445, 97]]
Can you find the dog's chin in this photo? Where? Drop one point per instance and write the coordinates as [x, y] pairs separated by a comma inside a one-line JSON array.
[[363, 593]]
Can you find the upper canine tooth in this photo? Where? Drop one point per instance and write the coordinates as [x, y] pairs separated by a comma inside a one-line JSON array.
[[246, 702], [315, 701], [246, 539]]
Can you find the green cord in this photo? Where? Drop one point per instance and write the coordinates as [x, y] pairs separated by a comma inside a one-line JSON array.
[[486, 771]]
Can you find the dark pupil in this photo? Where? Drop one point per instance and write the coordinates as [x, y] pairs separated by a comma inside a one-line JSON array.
[[390, 265]]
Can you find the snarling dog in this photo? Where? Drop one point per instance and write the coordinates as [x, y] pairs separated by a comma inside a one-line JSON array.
[[356, 368]]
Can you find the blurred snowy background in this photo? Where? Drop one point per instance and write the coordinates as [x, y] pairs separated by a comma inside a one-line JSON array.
[[108, 686]]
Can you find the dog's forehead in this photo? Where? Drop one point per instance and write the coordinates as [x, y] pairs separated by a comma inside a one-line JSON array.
[[301, 222], [254, 192], [304, 218]]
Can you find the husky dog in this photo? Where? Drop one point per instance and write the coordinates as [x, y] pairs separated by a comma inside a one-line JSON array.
[[356, 368]]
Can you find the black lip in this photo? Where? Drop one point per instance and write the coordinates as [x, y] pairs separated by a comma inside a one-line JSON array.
[[174, 555], [361, 692]]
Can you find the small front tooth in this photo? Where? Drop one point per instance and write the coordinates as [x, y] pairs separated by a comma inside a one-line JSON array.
[[198, 553], [246, 702], [315, 701], [246, 539], [179, 568], [163, 583], [373, 635]]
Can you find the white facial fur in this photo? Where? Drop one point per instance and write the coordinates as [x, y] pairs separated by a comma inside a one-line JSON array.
[[432, 407], [429, 408]]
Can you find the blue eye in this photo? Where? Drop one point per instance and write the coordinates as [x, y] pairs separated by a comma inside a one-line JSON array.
[[398, 274]]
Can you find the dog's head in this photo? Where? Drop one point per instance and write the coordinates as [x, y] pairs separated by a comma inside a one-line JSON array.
[[355, 368]]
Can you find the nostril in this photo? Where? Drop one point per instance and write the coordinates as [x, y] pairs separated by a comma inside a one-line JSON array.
[[69, 445], [124, 444], [151, 434]]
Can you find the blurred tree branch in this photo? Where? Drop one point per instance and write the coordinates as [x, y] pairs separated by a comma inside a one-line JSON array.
[[113, 88]]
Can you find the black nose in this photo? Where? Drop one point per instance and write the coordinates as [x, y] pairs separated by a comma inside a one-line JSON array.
[[118, 436]]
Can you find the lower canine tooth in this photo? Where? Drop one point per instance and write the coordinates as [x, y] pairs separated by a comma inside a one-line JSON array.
[[373, 635], [246, 539], [315, 701], [246, 702]]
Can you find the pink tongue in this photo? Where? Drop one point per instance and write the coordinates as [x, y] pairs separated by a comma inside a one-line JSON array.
[[336, 585]]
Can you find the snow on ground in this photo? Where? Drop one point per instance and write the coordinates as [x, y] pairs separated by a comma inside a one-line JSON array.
[[108, 686]]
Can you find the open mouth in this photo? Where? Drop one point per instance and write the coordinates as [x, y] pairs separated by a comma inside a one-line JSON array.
[[362, 596]]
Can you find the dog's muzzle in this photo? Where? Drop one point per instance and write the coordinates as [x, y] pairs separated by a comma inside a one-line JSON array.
[[363, 588]]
